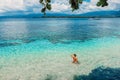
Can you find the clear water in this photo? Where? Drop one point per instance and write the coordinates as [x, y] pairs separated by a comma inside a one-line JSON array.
[[37, 49]]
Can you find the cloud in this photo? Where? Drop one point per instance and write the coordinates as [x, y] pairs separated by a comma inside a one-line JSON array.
[[18, 5], [58, 6], [91, 6], [87, 6], [7, 5]]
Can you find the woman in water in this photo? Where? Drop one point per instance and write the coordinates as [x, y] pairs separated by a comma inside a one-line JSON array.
[[75, 59]]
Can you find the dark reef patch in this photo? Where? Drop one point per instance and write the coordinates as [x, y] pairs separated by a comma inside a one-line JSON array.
[[9, 44], [101, 73]]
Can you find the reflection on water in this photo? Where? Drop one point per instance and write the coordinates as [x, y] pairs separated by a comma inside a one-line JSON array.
[[57, 30], [13, 30]]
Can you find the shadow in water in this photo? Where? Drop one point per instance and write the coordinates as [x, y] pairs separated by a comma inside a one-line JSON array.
[[101, 73], [50, 77], [14, 43], [28, 40], [9, 44]]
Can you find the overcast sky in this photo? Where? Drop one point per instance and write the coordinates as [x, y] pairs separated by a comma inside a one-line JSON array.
[[58, 6]]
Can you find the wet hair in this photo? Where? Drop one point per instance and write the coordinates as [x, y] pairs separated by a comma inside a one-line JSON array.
[[75, 55]]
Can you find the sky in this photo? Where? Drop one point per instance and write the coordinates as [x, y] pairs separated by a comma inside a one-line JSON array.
[[58, 6]]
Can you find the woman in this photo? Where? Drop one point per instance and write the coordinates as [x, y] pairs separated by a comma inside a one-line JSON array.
[[75, 59]]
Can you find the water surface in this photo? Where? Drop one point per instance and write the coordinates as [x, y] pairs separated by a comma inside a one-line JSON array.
[[37, 49]]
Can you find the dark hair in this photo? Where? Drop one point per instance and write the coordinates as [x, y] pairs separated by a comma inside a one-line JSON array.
[[75, 55]]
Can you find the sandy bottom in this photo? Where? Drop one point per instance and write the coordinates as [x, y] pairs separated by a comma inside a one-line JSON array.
[[55, 63]]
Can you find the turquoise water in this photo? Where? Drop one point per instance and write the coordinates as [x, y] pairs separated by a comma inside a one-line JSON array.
[[35, 49]]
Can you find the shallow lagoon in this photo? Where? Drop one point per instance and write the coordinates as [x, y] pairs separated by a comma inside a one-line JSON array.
[[40, 49]]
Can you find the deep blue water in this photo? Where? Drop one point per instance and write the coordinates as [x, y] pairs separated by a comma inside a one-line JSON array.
[[17, 31]]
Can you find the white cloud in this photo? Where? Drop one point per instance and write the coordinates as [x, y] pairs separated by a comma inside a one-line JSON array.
[[57, 6], [91, 6], [64, 6], [16, 5], [60, 5], [31, 2], [6, 5]]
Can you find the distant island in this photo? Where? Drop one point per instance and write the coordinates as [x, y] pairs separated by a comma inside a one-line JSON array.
[[78, 17], [95, 14]]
